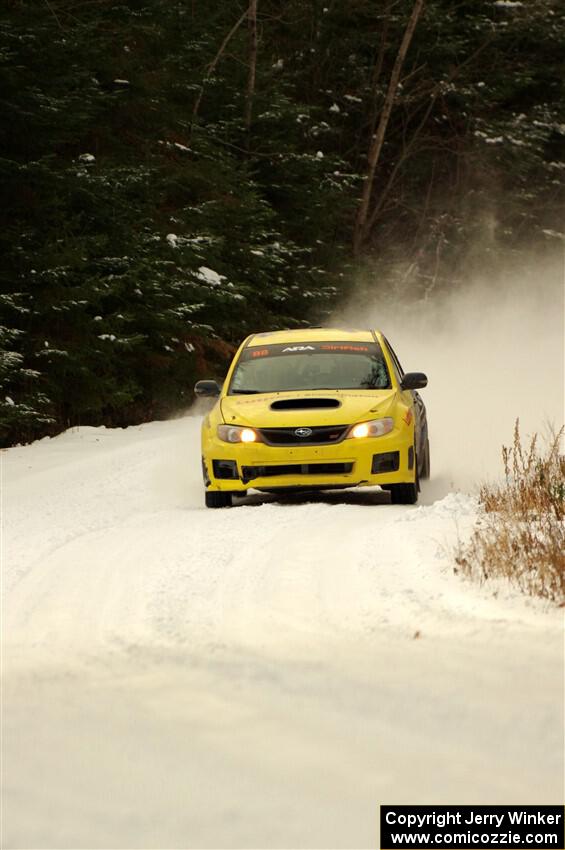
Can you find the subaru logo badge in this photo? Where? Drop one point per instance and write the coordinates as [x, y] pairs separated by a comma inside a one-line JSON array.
[[303, 432]]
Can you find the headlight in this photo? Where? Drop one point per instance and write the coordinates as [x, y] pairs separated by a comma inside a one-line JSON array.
[[374, 428], [235, 434]]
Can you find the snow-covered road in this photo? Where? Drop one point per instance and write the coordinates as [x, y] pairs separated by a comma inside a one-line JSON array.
[[257, 677]]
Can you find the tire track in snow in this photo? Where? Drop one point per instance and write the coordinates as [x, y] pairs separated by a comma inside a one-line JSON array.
[[183, 677]]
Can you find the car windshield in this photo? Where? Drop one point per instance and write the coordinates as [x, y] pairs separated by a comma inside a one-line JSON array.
[[310, 366]]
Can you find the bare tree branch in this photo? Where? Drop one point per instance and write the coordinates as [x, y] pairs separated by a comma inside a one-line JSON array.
[[408, 148], [377, 71], [54, 13], [212, 66], [379, 137], [252, 17]]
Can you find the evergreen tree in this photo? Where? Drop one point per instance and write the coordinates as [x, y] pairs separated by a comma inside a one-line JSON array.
[[177, 175]]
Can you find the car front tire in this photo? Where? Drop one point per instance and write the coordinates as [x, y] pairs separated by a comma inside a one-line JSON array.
[[217, 499], [404, 494]]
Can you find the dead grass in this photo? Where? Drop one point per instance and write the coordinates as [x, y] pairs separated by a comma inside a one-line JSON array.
[[521, 531]]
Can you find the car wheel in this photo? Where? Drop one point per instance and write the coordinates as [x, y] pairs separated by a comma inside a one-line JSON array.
[[217, 499], [405, 494]]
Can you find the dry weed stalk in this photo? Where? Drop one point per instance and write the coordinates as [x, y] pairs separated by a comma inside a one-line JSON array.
[[521, 532]]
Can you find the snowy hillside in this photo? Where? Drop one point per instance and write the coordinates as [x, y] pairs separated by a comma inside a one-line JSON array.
[[258, 677]]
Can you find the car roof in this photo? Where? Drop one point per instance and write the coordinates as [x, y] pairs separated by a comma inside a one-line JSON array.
[[313, 335]]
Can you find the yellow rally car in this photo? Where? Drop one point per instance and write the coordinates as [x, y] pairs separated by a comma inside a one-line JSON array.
[[315, 409]]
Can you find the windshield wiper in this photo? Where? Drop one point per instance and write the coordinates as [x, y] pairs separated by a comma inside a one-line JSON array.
[[245, 392]]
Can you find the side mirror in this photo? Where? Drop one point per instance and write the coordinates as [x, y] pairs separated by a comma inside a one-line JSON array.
[[414, 381], [207, 389]]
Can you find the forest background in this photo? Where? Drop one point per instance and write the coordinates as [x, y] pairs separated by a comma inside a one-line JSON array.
[[178, 174]]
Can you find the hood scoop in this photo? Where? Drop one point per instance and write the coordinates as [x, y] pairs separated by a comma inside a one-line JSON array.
[[304, 403]]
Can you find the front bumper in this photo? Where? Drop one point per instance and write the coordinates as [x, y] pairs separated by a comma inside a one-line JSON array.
[[364, 462]]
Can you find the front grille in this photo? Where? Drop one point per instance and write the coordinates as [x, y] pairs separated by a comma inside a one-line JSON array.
[[319, 435], [250, 472]]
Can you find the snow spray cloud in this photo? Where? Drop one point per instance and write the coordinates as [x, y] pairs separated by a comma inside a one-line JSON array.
[[493, 351]]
